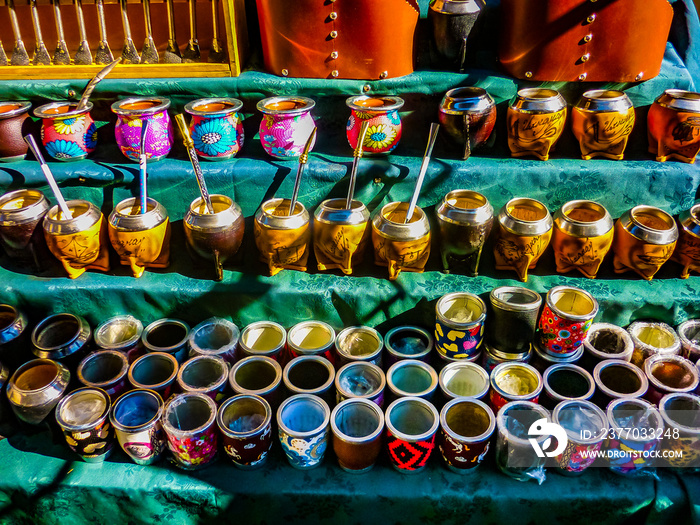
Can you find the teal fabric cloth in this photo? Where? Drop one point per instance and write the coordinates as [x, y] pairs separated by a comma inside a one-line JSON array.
[[40, 482], [47, 485]]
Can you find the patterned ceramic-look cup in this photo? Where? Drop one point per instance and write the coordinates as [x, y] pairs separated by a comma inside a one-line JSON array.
[[466, 426], [459, 325], [67, 134], [630, 451], [357, 434], [286, 125], [565, 320], [303, 422], [681, 414], [136, 418], [586, 429], [245, 422], [384, 128], [216, 127], [131, 113], [189, 423], [83, 416], [411, 425]]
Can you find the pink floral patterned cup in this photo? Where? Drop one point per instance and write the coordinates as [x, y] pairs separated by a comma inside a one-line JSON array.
[[132, 112], [190, 425], [286, 125], [384, 130], [67, 134]]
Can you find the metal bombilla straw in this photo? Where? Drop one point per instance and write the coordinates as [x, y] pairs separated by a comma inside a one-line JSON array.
[[434, 128], [31, 142], [303, 159], [82, 104], [143, 162], [189, 144], [357, 154]]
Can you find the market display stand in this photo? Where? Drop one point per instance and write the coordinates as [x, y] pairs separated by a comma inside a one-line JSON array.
[[40, 481]]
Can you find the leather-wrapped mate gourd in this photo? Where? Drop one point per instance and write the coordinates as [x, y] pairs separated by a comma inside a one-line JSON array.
[[595, 41], [360, 39]]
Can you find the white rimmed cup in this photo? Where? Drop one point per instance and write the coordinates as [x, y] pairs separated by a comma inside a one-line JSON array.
[[360, 379], [463, 380], [167, 335], [359, 343], [245, 422], [411, 425], [411, 377], [214, 337], [154, 371], [263, 338], [136, 418], [207, 374], [586, 428], [466, 427], [357, 426], [310, 374], [257, 375]]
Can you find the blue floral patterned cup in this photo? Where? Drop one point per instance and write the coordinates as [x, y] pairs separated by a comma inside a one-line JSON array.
[[304, 422], [216, 127], [67, 134]]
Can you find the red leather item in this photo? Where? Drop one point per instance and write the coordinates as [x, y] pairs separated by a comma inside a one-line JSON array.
[[591, 40], [361, 39]]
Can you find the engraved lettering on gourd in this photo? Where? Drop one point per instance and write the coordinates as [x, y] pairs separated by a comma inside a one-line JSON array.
[[687, 130], [539, 127], [533, 247], [613, 129], [80, 252], [582, 253], [130, 243]]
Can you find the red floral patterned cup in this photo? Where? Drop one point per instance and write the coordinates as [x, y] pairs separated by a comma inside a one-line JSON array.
[[188, 421], [466, 427], [384, 128], [411, 424], [245, 422], [67, 134], [566, 318]]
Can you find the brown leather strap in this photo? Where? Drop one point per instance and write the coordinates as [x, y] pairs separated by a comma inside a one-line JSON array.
[[363, 39], [591, 40]]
